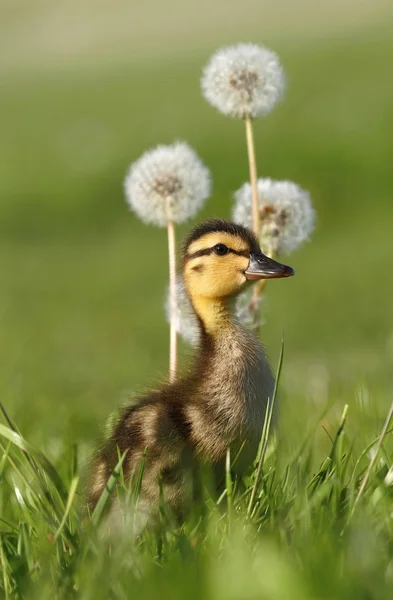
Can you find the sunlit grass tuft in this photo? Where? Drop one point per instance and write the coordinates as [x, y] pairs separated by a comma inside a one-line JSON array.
[[287, 531]]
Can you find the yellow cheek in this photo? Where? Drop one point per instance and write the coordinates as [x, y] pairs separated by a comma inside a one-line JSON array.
[[216, 276], [227, 275]]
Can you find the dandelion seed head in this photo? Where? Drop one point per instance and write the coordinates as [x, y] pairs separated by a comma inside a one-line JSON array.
[[243, 80], [183, 315], [244, 305], [168, 183], [287, 217]]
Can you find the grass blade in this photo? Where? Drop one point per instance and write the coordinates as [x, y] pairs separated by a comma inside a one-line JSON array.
[[372, 461], [266, 430], [26, 447], [71, 495], [107, 492], [228, 485]]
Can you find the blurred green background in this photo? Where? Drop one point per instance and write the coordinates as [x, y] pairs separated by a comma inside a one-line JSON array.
[[86, 87]]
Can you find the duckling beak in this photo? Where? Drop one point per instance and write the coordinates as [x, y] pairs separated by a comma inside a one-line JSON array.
[[263, 267]]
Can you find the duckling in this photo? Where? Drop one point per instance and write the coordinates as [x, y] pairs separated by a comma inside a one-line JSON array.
[[221, 401]]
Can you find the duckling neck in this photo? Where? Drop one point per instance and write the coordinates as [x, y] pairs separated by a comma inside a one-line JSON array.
[[233, 382], [214, 313]]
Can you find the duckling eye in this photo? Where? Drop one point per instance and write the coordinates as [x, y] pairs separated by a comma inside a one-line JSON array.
[[221, 249]]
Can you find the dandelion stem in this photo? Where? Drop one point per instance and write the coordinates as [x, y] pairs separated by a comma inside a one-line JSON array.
[[172, 296], [258, 289], [253, 174], [256, 294]]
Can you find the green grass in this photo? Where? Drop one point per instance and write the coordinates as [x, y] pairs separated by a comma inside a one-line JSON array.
[[292, 532], [81, 324]]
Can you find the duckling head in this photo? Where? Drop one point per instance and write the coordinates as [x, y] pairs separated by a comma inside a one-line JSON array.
[[220, 258]]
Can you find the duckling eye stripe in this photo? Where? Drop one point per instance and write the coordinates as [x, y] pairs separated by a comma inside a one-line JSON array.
[[245, 253], [207, 251]]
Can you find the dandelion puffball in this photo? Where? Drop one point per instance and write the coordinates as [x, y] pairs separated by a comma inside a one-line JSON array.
[[243, 80], [287, 217], [185, 320], [183, 315], [243, 308], [168, 183]]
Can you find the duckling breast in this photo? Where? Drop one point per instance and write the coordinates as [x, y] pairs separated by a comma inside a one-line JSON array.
[[231, 398]]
